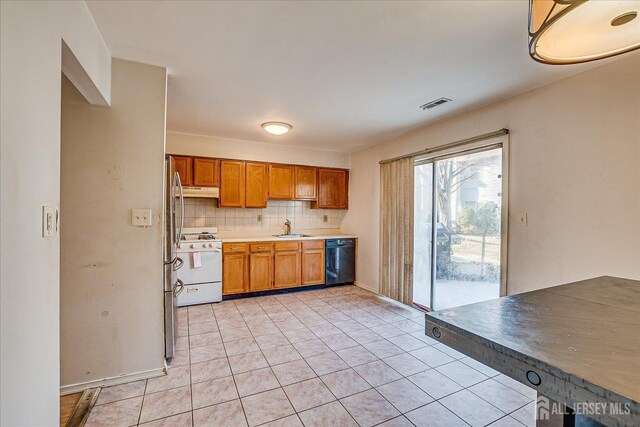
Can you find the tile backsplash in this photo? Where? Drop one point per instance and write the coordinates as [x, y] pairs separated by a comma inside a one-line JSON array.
[[204, 213]]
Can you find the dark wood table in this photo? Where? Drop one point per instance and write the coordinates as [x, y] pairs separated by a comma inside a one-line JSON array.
[[576, 344]]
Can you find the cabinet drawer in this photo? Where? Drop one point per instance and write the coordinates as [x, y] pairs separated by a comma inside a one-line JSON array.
[[287, 246], [261, 247], [312, 244], [234, 247]]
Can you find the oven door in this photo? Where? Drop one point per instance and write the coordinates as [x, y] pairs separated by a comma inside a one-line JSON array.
[[209, 271]]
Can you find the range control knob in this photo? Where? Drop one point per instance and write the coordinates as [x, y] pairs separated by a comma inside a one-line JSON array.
[[193, 246], [179, 246], [204, 245], [210, 245]]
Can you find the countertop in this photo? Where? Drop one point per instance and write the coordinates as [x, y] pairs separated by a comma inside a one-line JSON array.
[[231, 237]]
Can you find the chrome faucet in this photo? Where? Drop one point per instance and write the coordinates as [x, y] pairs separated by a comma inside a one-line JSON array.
[[287, 224]]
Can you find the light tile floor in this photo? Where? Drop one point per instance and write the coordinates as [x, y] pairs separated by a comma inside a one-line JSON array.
[[339, 356]]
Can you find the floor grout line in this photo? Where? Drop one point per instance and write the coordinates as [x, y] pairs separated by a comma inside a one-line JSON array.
[[290, 310]]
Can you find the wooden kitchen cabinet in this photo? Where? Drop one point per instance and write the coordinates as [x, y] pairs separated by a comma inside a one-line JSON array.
[[305, 182], [333, 189], [234, 273], [281, 181], [184, 166], [313, 267], [232, 184], [206, 172], [256, 185], [262, 266], [287, 265], [250, 184], [261, 269]]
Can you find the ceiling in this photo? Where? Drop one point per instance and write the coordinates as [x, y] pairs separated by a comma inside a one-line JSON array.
[[344, 74]]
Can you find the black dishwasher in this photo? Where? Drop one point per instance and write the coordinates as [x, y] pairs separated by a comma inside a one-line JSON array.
[[340, 261]]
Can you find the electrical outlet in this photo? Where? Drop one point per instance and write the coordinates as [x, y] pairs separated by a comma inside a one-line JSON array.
[[49, 221], [325, 218], [522, 219], [141, 217], [259, 218]]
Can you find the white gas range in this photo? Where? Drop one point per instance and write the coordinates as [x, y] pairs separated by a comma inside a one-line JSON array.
[[201, 273]]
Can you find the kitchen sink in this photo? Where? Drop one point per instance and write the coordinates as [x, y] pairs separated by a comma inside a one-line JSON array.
[[291, 236]]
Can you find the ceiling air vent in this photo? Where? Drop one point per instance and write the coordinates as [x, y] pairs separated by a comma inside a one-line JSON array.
[[434, 103]]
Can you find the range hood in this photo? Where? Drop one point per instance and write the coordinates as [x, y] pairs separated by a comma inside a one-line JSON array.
[[204, 192]]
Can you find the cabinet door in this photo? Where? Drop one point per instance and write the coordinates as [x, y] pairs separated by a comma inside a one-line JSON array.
[[260, 271], [305, 182], [313, 267], [256, 185], [234, 273], [287, 269], [206, 172], [333, 189], [232, 184], [183, 165], [281, 182]]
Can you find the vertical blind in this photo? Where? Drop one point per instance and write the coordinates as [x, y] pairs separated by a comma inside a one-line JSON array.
[[396, 229]]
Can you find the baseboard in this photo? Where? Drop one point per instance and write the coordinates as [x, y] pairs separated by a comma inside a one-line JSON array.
[[367, 287], [121, 379]]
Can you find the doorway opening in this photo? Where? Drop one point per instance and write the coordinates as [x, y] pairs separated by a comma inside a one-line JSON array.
[[460, 227]]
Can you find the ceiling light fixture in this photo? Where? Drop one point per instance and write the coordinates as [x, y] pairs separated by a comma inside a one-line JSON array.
[[575, 31], [276, 128]]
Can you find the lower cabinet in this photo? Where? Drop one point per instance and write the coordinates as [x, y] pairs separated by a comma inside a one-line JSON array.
[[234, 273], [260, 267], [287, 265], [313, 267], [252, 267]]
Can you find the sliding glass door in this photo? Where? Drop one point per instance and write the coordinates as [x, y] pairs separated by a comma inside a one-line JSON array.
[[458, 228], [422, 234]]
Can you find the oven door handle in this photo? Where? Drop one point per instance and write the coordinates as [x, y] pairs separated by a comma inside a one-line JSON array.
[[177, 264], [178, 288]]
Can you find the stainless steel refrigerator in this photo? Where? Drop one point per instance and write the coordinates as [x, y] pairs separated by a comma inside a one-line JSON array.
[[173, 226]]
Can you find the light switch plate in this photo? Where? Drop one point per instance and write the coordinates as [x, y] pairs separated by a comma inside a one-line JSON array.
[[49, 221], [141, 217]]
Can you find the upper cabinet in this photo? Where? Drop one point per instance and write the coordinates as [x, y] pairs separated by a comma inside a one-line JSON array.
[[305, 183], [246, 184], [183, 165], [333, 189], [281, 182], [206, 172], [257, 185], [232, 184]]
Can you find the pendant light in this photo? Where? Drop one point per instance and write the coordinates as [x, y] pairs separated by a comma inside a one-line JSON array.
[[574, 31]]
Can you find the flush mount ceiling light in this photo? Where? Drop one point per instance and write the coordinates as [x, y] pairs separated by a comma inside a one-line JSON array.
[[276, 128], [574, 31]]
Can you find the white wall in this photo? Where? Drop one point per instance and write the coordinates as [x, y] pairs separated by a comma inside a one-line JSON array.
[[178, 143], [31, 43], [575, 169], [111, 311]]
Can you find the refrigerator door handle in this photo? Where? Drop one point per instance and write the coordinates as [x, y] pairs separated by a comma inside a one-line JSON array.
[[179, 183], [179, 287], [177, 264]]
